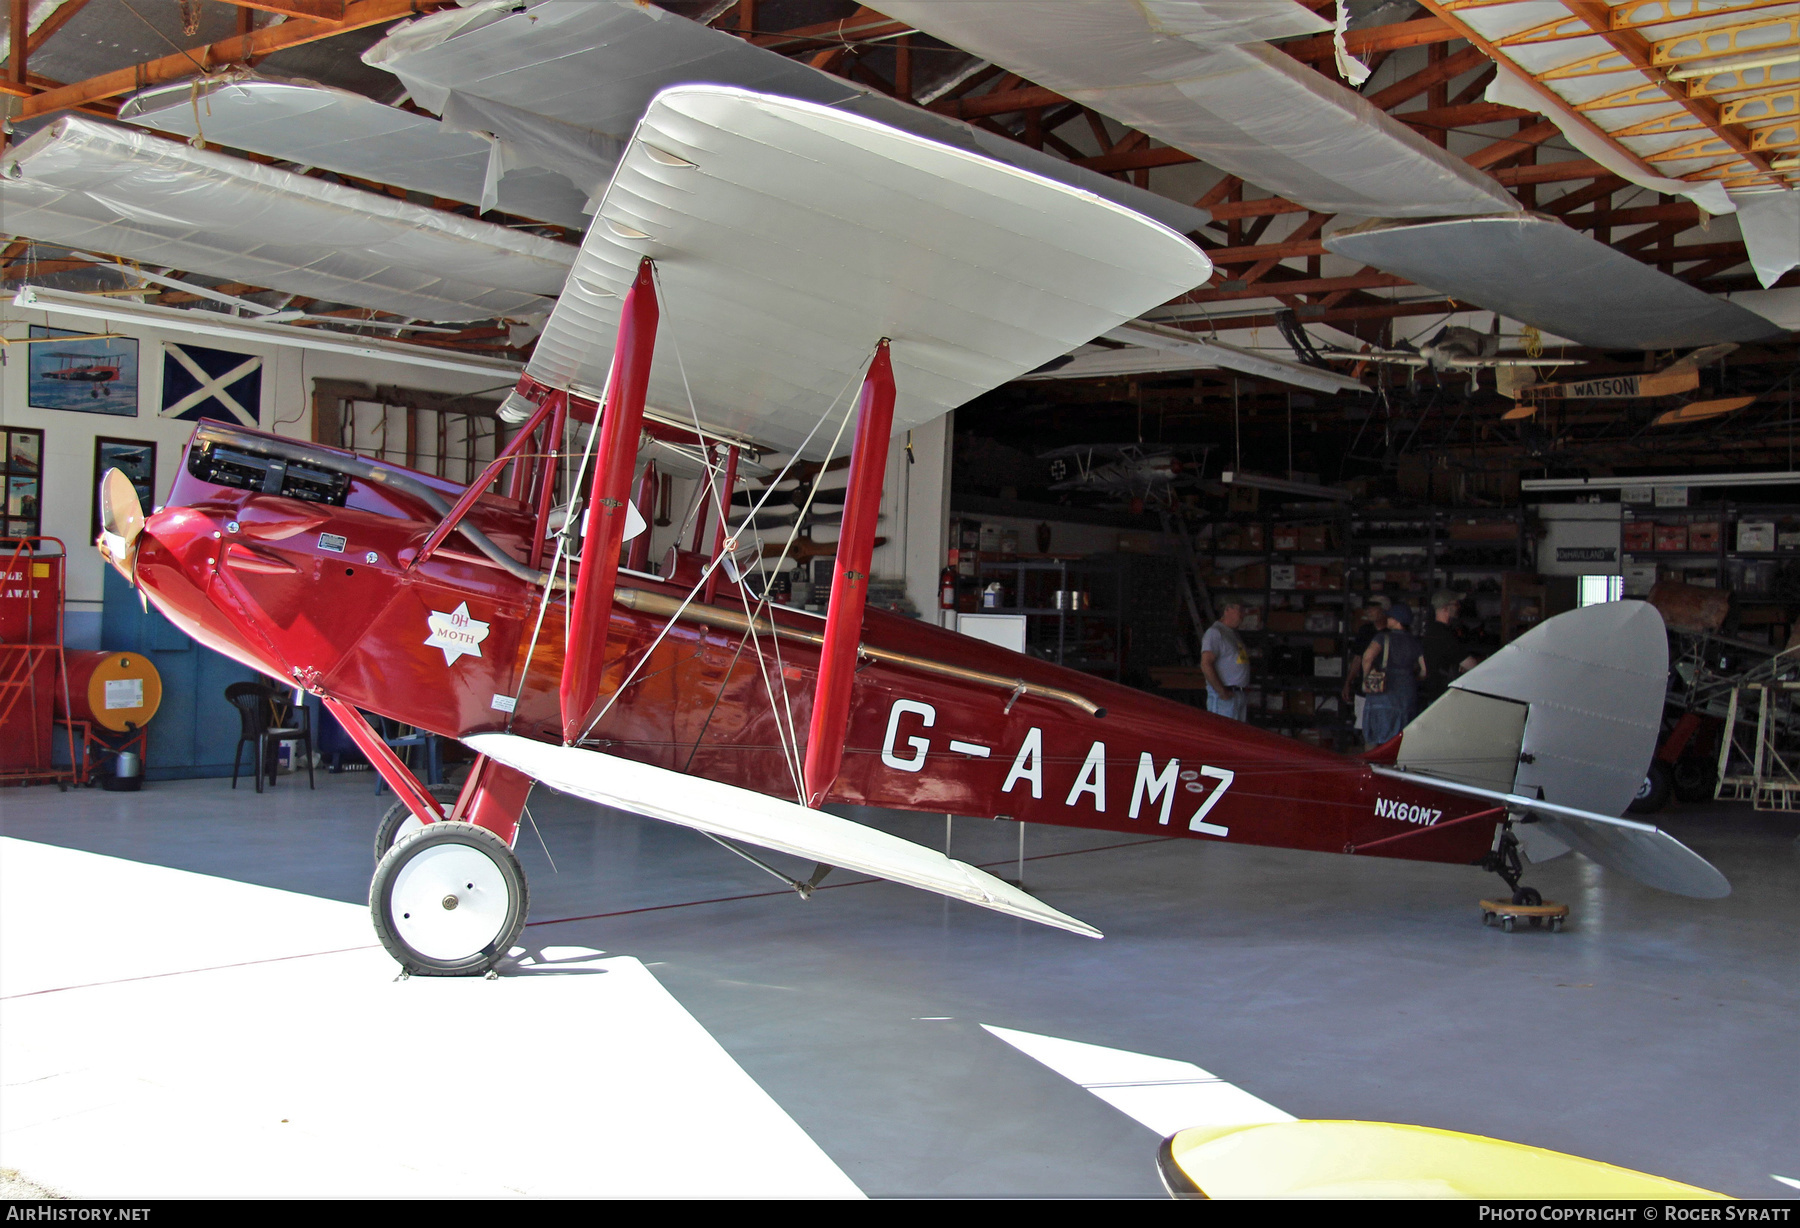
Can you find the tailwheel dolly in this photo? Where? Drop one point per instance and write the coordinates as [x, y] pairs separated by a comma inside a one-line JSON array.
[[1549, 914]]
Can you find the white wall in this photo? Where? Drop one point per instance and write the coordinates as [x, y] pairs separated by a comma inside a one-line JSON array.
[[915, 498], [67, 491]]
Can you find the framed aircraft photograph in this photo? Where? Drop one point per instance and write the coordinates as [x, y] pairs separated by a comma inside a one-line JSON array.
[[136, 459], [84, 374], [21, 471]]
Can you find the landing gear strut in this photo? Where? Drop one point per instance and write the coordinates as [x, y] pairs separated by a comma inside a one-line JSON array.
[[1503, 859]]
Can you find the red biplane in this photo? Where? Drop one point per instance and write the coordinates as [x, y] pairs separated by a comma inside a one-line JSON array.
[[753, 260], [73, 368]]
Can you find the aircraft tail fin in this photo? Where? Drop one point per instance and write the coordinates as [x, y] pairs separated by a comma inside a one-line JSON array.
[[1569, 713], [740, 814]]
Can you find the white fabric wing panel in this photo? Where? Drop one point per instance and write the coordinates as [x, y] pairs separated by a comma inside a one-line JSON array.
[[802, 235], [1248, 109], [315, 125], [1155, 347], [132, 194], [564, 82], [768, 822], [1538, 271]]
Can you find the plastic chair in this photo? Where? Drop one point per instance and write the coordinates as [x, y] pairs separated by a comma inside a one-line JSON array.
[[403, 738], [259, 724]]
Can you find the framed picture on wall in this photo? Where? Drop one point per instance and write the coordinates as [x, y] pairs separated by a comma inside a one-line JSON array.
[[136, 459], [84, 374], [21, 482]]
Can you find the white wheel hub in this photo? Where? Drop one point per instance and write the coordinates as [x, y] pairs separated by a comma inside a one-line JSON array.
[[449, 901]]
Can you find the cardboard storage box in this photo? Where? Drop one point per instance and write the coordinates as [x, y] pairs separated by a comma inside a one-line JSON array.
[[1137, 543], [1287, 621], [1315, 537], [1671, 537], [1321, 622], [1328, 667], [1639, 535], [1755, 536], [1300, 703], [1483, 531], [1281, 575], [1703, 538], [1639, 579], [1286, 537]]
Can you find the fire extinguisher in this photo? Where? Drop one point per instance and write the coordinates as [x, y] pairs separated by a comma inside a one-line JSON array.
[[947, 589]]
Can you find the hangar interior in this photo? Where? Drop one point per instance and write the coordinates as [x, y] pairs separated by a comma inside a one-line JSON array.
[[959, 437]]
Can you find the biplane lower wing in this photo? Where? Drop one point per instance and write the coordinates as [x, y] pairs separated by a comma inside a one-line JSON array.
[[739, 814]]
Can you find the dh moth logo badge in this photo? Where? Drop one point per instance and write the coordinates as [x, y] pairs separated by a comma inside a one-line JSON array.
[[456, 633]]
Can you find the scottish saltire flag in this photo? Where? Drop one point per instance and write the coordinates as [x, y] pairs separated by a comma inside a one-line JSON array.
[[205, 383]]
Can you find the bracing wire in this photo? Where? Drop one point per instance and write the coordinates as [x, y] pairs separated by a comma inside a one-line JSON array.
[[728, 545]]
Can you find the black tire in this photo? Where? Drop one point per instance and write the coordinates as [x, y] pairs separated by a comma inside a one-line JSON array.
[[1653, 794], [422, 873], [1695, 780], [397, 815], [1528, 896]]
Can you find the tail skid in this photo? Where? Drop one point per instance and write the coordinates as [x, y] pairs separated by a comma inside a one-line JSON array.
[[755, 818]]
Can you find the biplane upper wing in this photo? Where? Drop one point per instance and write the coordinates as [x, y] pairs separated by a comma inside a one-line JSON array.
[[738, 814], [789, 236]]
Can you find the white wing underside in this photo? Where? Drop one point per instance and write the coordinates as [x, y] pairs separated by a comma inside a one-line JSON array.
[[94, 186], [754, 818], [789, 238]]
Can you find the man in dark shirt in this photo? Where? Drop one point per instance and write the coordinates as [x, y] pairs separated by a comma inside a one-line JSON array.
[[1444, 653], [1374, 619]]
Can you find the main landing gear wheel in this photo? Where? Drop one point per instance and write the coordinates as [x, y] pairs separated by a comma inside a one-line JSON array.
[[400, 821], [449, 900]]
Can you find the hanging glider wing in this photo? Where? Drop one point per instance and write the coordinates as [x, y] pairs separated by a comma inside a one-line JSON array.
[[768, 822], [789, 237], [561, 83], [98, 187], [1537, 270], [1195, 74], [1151, 347], [316, 125]]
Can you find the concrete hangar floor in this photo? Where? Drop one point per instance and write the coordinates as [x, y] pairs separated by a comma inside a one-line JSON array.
[[194, 1004]]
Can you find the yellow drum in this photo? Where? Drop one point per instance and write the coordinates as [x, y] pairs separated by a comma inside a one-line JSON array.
[[119, 691]]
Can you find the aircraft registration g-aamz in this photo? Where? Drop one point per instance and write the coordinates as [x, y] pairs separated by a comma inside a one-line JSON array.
[[752, 261]]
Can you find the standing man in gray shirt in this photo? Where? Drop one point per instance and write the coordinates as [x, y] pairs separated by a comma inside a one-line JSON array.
[[1226, 664]]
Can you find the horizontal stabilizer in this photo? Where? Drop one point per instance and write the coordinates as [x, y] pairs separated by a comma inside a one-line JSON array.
[[1642, 850], [755, 818]]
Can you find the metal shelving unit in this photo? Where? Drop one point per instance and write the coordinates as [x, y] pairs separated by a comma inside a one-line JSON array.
[[1086, 639]]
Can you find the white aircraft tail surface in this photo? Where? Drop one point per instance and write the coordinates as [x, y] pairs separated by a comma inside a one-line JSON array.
[[755, 818], [1568, 714]]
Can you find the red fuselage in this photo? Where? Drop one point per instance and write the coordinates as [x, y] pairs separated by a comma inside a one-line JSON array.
[[327, 596]]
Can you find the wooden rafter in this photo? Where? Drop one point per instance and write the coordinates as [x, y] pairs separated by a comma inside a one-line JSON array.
[[1360, 43], [317, 10], [292, 33], [64, 14]]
